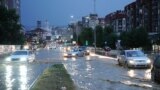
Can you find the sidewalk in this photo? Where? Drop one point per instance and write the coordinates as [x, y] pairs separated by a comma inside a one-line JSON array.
[[112, 53]]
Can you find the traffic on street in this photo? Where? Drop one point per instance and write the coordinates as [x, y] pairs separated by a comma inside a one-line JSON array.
[[90, 72]]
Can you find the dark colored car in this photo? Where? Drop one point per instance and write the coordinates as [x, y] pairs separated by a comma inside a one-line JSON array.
[[155, 72]]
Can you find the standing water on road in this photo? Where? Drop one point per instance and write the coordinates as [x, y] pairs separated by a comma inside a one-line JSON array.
[[102, 73]]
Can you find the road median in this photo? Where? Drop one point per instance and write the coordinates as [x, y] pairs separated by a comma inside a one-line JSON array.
[[54, 78]]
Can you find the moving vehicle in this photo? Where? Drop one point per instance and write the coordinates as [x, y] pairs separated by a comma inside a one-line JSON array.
[[133, 58], [22, 55], [155, 71], [85, 50], [73, 53]]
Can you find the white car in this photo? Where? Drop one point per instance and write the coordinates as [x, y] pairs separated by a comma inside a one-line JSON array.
[[21, 55], [133, 58], [74, 53]]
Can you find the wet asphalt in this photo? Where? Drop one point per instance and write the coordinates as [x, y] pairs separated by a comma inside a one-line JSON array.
[[92, 72], [97, 72]]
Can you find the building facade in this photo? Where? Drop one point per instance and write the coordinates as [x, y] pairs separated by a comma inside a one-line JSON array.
[[130, 11], [11, 4], [143, 13], [117, 20]]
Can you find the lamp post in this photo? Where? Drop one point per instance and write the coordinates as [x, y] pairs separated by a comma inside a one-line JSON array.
[[93, 23]]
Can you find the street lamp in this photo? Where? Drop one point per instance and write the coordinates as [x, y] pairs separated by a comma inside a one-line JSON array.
[[94, 30]]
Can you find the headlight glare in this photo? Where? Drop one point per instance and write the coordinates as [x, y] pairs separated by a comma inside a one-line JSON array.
[[23, 59], [8, 59], [131, 61], [148, 61]]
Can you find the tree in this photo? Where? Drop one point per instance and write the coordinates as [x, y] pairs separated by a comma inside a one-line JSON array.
[[99, 36], [111, 40], [10, 29], [135, 39], [86, 35], [107, 30], [124, 39], [109, 36]]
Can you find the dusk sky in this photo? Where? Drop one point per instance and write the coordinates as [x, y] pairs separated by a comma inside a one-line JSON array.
[[58, 12]]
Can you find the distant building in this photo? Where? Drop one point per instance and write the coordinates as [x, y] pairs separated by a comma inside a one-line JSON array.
[[93, 20], [11, 4], [90, 21], [143, 13], [130, 11], [85, 21], [102, 22], [117, 20]]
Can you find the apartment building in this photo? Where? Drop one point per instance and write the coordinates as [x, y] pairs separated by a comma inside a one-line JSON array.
[[130, 11], [11, 4], [117, 20], [143, 13]]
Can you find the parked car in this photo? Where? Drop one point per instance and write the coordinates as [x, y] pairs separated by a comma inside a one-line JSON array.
[[155, 71], [21, 55], [133, 58]]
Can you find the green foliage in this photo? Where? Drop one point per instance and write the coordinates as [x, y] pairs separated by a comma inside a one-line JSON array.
[[135, 38], [102, 36], [111, 40], [86, 35], [109, 36], [108, 30], [99, 36], [10, 29]]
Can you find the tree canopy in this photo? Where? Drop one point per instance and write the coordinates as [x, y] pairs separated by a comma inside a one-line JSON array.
[[135, 38], [10, 27], [86, 35]]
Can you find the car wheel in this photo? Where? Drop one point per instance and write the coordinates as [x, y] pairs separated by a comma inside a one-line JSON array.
[[126, 65], [119, 63], [153, 76]]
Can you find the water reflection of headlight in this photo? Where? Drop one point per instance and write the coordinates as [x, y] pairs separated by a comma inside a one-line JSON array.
[[88, 57], [131, 73], [23, 77], [8, 77]]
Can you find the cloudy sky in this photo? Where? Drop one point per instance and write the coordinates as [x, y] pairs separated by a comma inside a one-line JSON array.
[[59, 12]]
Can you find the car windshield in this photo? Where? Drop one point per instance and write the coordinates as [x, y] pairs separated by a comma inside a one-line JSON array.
[[135, 54], [20, 53]]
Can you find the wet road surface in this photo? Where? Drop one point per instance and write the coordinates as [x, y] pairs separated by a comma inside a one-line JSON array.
[[97, 72], [22, 75], [92, 72]]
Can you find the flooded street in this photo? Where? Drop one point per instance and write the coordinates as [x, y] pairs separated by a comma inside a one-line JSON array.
[[22, 75], [102, 73], [92, 72]]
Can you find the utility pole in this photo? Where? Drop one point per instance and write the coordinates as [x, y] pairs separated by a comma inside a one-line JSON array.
[[94, 6]]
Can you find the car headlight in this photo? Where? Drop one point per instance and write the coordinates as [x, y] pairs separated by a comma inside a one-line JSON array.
[[131, 61], [148, 61], [23, 59], [88, 51], [65, 54], [73, 54], [8, 59]]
